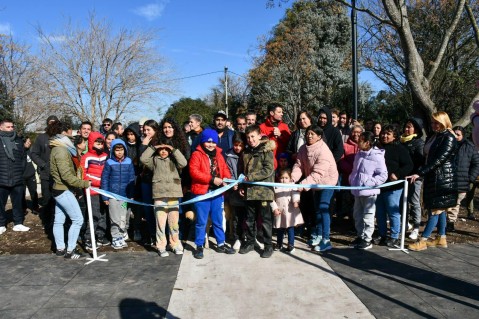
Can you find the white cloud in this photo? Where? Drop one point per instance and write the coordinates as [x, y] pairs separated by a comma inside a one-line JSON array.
[[5, 28], [153, 10], [228, 53]]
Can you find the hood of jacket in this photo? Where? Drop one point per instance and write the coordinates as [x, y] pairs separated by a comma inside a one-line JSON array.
[[115, 142], [135, 128], [92, 138], [417, 124], [326, 111]]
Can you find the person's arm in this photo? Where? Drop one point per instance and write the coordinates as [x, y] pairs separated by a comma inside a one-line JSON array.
[[66, 172], [36, 152], [105, 180], [444, 150], [474, 166], [147, 158], [180, 159]]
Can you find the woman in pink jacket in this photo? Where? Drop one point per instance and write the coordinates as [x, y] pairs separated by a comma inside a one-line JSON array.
[[315, 164]]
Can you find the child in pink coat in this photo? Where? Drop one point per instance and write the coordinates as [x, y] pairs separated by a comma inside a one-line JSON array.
[[286, 211]]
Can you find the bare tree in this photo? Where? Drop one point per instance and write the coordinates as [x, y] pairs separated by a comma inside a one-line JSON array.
[[23, 84], [98, 73]]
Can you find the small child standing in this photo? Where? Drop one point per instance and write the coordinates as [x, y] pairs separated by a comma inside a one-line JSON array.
[[118, 177], [369, 169], [165, 161], [286, 211]]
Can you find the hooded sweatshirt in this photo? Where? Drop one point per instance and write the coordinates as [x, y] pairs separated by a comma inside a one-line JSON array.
[[369, 169], [332, 135], [93, 162]]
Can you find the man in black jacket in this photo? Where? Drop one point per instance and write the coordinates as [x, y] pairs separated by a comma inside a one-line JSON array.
[[40, 155], [12, 165]]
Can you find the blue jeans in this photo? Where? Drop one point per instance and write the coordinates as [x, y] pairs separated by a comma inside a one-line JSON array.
[[280, 236], [212, 207], [388, 203], [432, 221], [67, 205], [322, 199]]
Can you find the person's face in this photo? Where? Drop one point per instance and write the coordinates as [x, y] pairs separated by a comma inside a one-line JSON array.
[[81, 147], [210, 146], [186, 128], [238, 148], [304, 121], [343, 120], [148, 131], [220, 122], [322, 119], [119, 130], [312, 137], [119, 152], [108, 140], [163, 152], [277, 114], [355, 134], [98, 145], [363, 145], [7, 127], [459, 135], [436, 126], [285, 178], [168, 130], [409, 129], [334, 119], [194, 124], [283, 163], [106, 126], [253, 139], [85, 131], [250, 119], [131, 137], [387, 137], [377, 129], [241, 124]]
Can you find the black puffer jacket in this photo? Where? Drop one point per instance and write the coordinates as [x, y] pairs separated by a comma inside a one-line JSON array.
[[11, 172], [467, 165], [440, 172], [332, 136], [416, 145]]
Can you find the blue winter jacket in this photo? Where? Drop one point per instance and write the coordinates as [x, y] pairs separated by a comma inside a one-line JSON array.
[[118, 177]]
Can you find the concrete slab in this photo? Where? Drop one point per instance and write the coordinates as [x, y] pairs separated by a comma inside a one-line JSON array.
[[247, 286]]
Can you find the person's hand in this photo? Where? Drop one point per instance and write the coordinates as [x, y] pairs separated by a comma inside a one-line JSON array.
[[27, 143], [164, 146], [146, 140], [295, 204], [241, 192], [235, 188], [218, 181], [276, 212], [413, 177], [107, 202], [393, 177]]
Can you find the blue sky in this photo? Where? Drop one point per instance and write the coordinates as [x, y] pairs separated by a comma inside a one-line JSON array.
[[196, 37]]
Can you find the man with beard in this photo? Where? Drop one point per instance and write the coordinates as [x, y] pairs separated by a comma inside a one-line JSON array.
[[225, 135]]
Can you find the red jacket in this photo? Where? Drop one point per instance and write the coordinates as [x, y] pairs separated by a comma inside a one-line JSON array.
[[200, 170], [92, 163], [347, 160], [267, 129]]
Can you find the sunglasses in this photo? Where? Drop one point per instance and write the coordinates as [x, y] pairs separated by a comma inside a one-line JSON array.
[[106, 124]]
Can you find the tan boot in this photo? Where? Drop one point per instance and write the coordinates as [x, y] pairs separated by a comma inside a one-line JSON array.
[[431, 242], [441, 241], [419, 245]]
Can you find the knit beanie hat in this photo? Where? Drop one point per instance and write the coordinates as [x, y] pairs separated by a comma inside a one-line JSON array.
[[209, 135]]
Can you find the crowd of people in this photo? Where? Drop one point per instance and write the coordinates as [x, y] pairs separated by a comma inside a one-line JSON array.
[[164, 164]]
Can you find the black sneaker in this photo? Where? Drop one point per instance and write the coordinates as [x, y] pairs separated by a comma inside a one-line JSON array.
[[379, 241], [365, 245], [198, 253], [356, 241], [277, 247], [88, 245], [290, 249], [74, 254], [225, 250], [450, 227], [267, 252], [246, 248], [103, 242], [60, 252], [392, 243]]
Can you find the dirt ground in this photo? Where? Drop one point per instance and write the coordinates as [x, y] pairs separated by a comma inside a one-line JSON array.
[[36, 241]]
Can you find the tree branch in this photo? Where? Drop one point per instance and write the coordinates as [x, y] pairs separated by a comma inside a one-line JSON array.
[[475, 27]]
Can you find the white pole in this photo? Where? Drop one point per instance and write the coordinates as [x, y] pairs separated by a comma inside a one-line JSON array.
[[92, 229], [403, 219]]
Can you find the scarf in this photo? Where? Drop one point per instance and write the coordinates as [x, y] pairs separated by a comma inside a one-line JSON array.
[[8, 141], [407, 138], [63, 141]]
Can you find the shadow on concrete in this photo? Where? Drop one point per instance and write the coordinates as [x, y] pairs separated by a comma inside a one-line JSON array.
[[132, 308]]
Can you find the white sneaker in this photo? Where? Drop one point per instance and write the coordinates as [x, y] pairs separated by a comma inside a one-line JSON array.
[[237, 245], [409, 226], [20, 227], [414, 234], [3, 229]]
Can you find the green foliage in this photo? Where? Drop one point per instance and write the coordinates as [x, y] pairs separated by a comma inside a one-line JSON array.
[[184, 107], [305, 60]]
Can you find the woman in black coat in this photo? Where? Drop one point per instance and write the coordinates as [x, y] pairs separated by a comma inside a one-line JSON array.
[[467, 172], [440, 180]]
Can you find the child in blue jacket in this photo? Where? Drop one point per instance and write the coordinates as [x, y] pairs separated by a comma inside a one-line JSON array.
[[118, 177]]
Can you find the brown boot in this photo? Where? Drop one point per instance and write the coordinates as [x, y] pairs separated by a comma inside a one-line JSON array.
[[441, 241], [418, 245]]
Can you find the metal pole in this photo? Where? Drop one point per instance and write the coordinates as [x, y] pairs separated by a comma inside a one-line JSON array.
[[226, 90], [354, 31]]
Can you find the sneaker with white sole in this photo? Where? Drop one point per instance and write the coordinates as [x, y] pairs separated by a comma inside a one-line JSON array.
[[237, 245], [20, 227], [324, 245], [163, 253], [117, 243], [3, 229], [314, 241], [414, 234], [178, 251]]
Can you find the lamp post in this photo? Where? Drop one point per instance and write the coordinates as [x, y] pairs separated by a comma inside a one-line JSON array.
[[354, 34]]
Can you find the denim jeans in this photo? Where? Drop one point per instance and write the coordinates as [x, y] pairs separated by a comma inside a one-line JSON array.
[[280, 236], [414, 201], [16, 195], [212, 207], [388, 203], [322, 199], [67, 205], [433, 220]]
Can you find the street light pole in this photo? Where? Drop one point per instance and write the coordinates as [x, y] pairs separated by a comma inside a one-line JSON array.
[[354, 34], [226, 90]]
